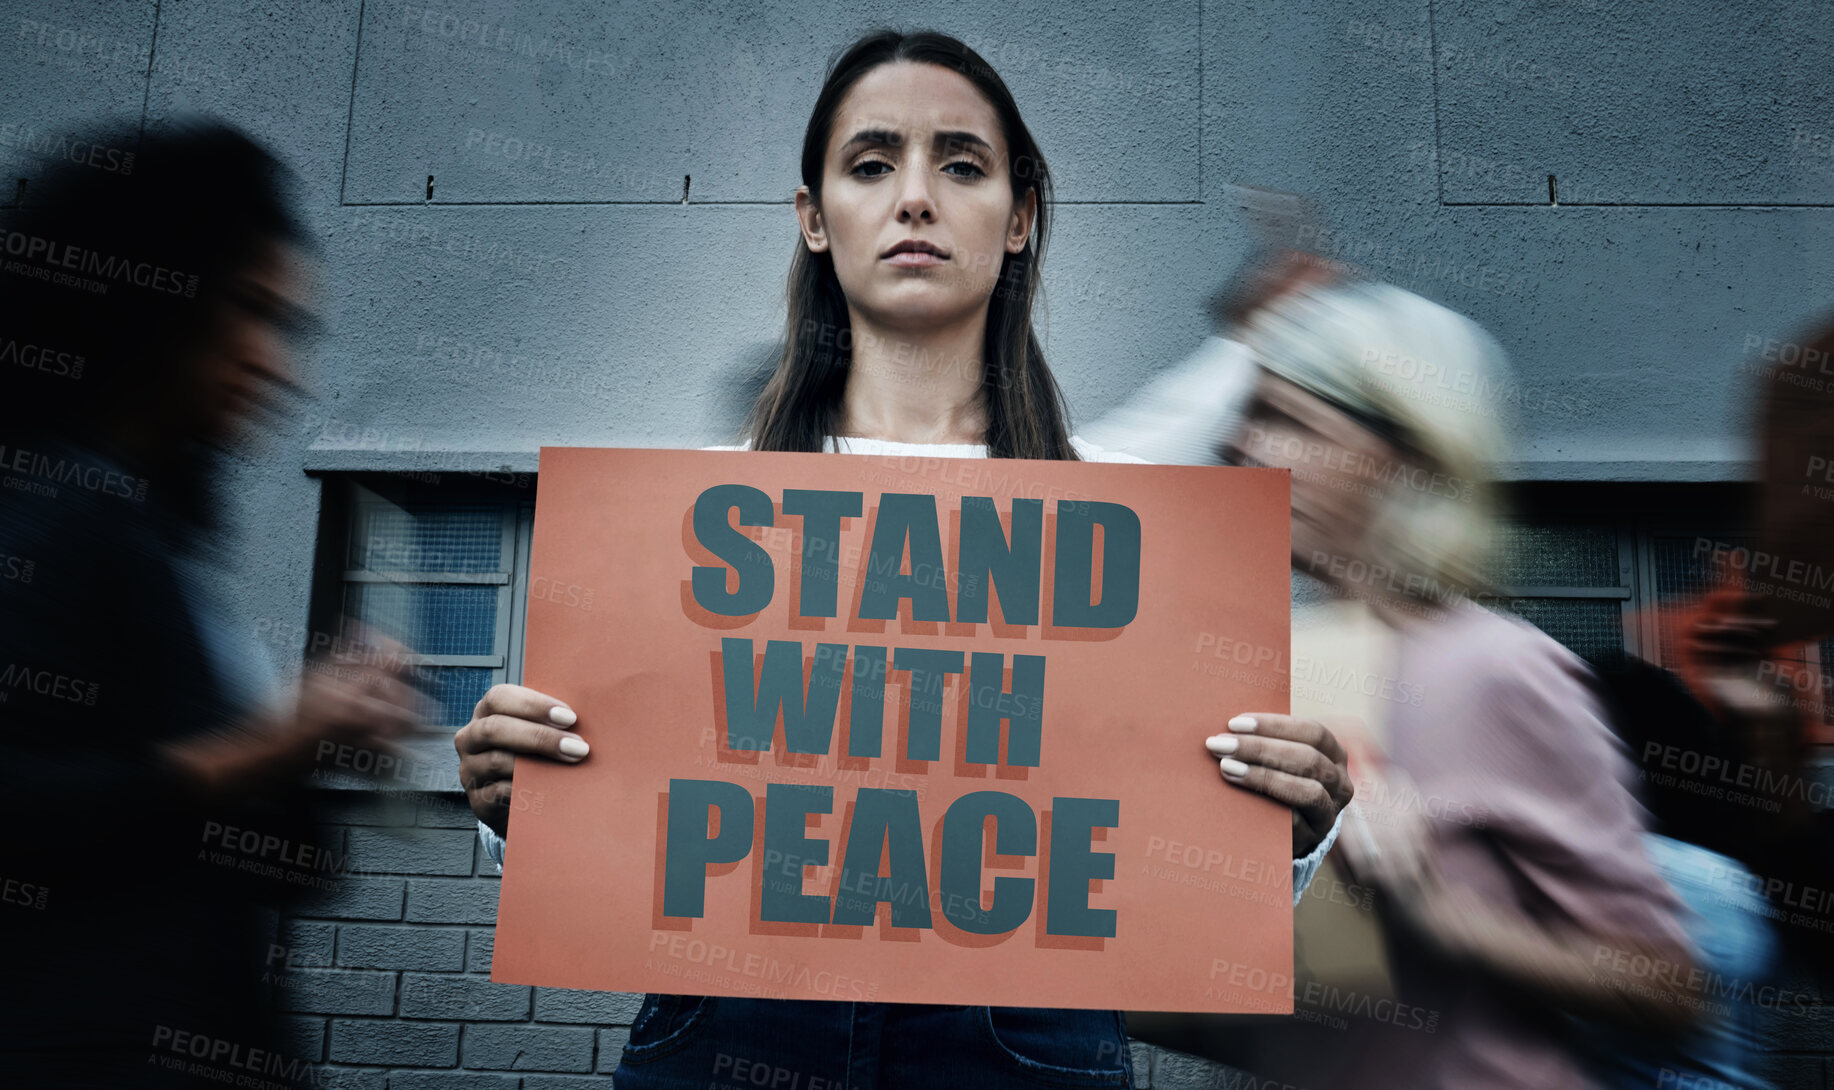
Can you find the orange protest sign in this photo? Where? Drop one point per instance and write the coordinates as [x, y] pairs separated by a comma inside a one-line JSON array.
[[903, 729]]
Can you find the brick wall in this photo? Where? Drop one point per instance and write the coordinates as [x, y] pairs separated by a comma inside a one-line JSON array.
[[387, 976]]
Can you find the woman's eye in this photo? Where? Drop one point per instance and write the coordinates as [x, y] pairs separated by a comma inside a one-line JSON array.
[[973, 167], [860, 167]]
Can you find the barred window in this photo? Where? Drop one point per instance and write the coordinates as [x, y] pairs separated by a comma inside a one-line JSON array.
[[1603, 569], [1572, 581], [439, 563]]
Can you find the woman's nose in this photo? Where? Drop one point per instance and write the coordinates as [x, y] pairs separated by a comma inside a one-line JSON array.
[[915, 202]]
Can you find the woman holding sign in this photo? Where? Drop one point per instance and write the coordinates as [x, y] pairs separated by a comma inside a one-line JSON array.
[[924, 213]]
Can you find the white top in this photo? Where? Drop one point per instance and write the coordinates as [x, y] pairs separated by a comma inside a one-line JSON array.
[[1303, 869], [853, 444]]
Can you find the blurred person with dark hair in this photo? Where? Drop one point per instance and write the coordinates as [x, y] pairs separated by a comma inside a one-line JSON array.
[[1726, 739], [147, 320], [1745, 646], [1516, 889]]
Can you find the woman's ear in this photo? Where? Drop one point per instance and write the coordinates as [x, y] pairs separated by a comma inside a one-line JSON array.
[[1019, 230], [808, 216]]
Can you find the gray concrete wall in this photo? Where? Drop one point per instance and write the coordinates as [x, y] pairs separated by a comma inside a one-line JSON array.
[[557, 289], [564, 282]]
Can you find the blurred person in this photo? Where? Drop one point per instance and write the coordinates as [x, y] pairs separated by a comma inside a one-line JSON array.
[[1745, 647], [1503, 834], [923, 220], [147, 324], [1697, 839], [1726, 738]]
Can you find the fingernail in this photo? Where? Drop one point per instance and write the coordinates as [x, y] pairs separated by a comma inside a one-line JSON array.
[[1220, 744], [1242, 723], [575, 746], [1233, 768], [563, 715]]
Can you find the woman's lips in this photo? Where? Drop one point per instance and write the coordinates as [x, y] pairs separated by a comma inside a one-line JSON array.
[[915, 259]]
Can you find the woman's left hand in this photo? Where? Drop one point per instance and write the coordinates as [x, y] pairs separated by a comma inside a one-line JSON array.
[[1295, 761]]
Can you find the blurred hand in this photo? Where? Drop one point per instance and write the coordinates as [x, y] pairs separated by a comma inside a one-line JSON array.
[[352, 702], [350, 699], [1295, 761], [1390, 846], [511, 720]]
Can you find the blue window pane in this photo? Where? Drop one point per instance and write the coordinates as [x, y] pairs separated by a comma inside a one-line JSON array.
[[445, 538], [429, 618], [453, 691]]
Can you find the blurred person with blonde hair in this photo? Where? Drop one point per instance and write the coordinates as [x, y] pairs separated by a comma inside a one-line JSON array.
[[1496, 815]]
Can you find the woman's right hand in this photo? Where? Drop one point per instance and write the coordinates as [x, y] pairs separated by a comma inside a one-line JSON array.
[[511, 720]]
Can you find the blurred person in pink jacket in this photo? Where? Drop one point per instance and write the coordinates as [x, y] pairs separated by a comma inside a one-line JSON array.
[[1518, 900]]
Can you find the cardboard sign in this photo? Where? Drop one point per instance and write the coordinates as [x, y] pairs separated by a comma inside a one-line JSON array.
[[902, 729]]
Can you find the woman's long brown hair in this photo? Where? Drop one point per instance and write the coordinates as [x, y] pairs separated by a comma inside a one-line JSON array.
[[801, 404]]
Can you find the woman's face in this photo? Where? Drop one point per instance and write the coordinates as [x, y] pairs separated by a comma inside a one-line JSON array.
[[1338, 468], [916, 153], [247, 360]]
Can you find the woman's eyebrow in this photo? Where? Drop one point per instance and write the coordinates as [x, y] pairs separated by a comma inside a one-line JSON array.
[[951, 138], [960, 138]]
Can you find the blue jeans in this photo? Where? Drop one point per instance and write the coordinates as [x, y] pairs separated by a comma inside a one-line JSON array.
[[703, 1043], [1727, 923]]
